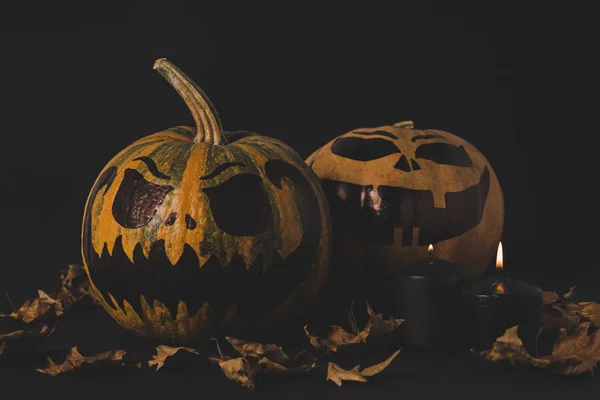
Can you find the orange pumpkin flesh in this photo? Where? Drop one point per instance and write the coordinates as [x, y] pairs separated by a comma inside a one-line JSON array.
[[189, 233], [393, 190]]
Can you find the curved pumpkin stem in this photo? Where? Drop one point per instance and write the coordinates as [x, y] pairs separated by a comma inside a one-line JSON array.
[[405, 124], [208, 125]]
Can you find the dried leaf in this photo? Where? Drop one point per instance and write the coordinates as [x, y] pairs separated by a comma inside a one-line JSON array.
[[164, 352], [576, 352], [257, 359], [75, 288], [377, 326], [75, 360], [24, 339], [337, 337], [507, 347], [560, 313], [240, 370], [570, 293], [591, 312], [549, 297], [270, 367], [75, 280], [248, 348], [377, 368], [337, 374], [41, 308]]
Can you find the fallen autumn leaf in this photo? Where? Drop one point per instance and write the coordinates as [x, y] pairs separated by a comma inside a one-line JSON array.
[[574, 353], [75, 360], [164, 352], [337, 374]]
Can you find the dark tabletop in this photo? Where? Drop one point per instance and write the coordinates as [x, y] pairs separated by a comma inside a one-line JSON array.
[[416, 372]]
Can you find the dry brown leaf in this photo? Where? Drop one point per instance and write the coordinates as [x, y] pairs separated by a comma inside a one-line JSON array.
[[75, 360], [549, 297], [377, 368], [75, 288], [240, 369], [591, 312], [257, 359], [563, 313], [247, 348], [24, 339], [75, 280], [577, 352], [559, 312], [507, 347], [164, 352], [337, 374], [270, 367], [574, 353], [570, 293], [41, 308], [337, 337], [377, 326]]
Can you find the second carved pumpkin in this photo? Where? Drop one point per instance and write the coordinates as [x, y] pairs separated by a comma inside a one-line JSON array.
[[194, 232], [393, 190]]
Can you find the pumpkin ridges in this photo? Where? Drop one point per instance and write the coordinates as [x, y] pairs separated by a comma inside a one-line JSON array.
[[272, 148], [273, 237], [168, 181]]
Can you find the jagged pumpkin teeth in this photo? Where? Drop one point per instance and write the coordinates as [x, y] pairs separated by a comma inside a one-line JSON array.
[[197, 221], [393, 190]]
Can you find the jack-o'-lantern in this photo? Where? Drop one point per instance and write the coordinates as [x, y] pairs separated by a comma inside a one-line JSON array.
[[196, 232], [394, 190]]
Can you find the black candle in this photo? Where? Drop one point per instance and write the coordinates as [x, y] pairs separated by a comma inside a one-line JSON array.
[[497, 303], [427, 294]]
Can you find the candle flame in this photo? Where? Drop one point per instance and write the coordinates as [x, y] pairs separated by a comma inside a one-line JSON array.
[[499, 258], [430, 250]]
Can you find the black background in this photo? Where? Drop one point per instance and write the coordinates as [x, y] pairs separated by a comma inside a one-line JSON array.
[[77, 86]]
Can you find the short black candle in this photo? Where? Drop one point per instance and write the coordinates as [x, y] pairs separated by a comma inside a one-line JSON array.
[[427, 294], [497, 303]]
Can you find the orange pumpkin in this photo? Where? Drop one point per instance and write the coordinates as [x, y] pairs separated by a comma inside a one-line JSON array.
[[189, 232], [394, 189]]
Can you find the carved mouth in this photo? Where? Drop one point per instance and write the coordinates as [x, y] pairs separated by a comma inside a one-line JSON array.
[[410, 210], [219, 285]]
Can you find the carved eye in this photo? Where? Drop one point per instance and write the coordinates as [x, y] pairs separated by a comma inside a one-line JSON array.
[[444, 153], [363, 149], [137, 200], [239, 206]]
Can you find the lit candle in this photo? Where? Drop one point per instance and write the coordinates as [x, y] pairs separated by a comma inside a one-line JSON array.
[[427, 295], [497, 303]]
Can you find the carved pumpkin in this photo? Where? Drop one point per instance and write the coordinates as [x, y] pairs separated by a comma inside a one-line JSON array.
[[195, 232], [393, 190]]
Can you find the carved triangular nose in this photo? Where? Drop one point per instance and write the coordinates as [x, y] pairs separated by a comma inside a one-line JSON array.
[[403, 165]]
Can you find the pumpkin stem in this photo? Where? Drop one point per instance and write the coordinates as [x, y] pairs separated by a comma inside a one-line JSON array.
[[405, 124], [208, 125]]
